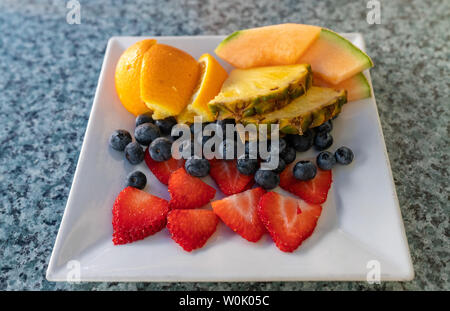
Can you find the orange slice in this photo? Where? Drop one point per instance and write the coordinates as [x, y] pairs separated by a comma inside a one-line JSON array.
[[212, 76], [127, 76], [168, 79]]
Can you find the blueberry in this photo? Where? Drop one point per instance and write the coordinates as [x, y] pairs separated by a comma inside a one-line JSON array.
[[288, 155], [165, 125], [324, 127], [247, 166], [137, 179], [323, 140], [267, 179], [325, 160], [301, 143], [160, 149], [119, 139], [144, 118], [305, 170], [344, 155], [146, 133], [134, 153], [197, 167]]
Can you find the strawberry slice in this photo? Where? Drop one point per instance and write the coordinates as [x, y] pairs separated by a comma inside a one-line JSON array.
[[228, 178], [136, 215], [187, 191], [240, 213], [289, 221], [314, 191], [162, 170], [191, 228]]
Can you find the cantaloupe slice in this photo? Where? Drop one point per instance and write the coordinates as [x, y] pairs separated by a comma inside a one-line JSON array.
[[334, 58], [267, 46], [357, 87]]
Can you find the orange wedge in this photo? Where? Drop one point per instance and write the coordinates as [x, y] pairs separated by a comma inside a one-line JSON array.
[[127, 76], [168, 79], [212, 76]]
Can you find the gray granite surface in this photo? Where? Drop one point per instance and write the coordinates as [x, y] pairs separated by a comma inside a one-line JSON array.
[[48, 76]]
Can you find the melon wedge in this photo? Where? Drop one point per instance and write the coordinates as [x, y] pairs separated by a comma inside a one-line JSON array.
[[267, 46], [357, 87], [334, 58]]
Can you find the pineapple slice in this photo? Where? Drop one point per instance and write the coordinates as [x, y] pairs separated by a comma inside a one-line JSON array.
[[260, 90], [318, 105], [186, 116]]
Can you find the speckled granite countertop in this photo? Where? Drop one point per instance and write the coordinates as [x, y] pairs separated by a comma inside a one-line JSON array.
[[48, 76]]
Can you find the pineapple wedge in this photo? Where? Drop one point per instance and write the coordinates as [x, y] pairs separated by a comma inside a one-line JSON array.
[[247, 92], [186, 116], [318, 105]]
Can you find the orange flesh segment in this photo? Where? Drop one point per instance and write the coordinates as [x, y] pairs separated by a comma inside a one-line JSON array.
[[268, 46], [212, 77], [127, 77], [168, 78]]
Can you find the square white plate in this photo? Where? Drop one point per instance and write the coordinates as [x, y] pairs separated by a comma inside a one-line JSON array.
[[360, 222]]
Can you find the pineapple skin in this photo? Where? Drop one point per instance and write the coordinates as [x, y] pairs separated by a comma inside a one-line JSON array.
[[262, 104], [300, 123]]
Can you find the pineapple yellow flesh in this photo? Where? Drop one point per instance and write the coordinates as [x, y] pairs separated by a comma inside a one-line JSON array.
[[318, 105], [259, 90], [186, 116]]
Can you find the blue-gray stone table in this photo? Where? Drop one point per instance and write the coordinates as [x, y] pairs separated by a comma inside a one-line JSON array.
[[48, 76]]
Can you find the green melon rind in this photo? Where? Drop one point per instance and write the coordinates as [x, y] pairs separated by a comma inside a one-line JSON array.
[[234, 35], [365, 85], [347, 45]]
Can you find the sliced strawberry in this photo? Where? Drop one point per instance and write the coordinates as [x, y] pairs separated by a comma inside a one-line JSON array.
[[240, 213], [162, 170], [136, 215], [289, 221], [313, 191], [187, 191], [228, 178], [191, 228]]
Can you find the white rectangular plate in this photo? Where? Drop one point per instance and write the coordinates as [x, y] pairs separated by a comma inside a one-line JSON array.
[[359, 233]]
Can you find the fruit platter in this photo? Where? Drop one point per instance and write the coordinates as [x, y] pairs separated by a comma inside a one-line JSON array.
[[253, 156]]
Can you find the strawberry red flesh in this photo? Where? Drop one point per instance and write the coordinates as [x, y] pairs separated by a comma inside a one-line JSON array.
[[240, 213], [136, 215], [162, 170], [187, 191], [289, 221], [191, 228], [313, 191], [228, 178]]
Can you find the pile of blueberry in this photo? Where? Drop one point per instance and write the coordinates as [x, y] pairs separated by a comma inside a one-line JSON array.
[[320, 138], [146, 133], [157, 136]]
